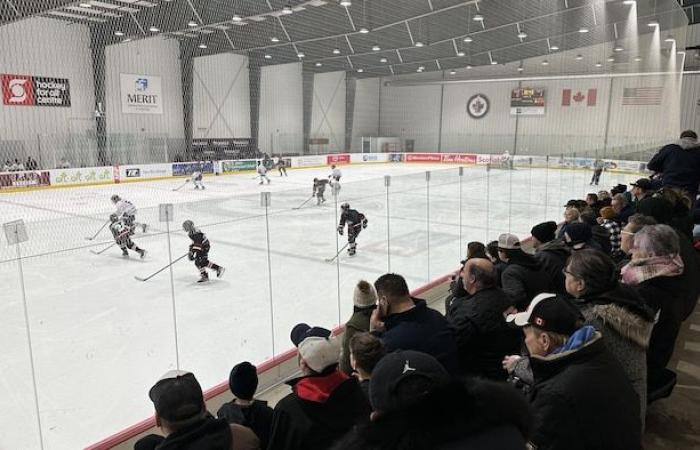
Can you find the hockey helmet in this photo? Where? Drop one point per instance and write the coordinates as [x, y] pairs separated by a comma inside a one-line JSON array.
[[113, 217], [345, 205], [116, 198], [315, 180], [332, 166], [188, 226]]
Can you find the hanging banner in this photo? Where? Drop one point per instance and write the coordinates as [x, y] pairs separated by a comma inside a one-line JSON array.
[[527, 102], [28, 90], [141, 94]]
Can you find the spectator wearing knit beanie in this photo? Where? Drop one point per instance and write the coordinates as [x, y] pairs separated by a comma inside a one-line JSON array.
[[364, 300], [243, 409], [551, 253]]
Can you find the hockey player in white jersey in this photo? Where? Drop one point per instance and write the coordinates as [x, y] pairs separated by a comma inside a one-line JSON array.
[[262, 173], [122, 236], [198, 180], [126, 213], [335, 174]]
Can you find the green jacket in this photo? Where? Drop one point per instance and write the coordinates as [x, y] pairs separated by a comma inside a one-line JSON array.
[[358, 323]]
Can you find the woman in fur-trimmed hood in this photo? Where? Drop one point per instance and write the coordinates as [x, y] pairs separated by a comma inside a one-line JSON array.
[[617, 311]]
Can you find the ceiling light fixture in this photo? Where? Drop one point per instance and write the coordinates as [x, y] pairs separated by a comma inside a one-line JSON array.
[[85, 5], [478, 18], [421, 68], [453, 72], [274, 39], [192, 23], [468, 39], [287, 9], [618, 48], [268, 56], [318, 64], [637, 58], [493, 63], [583, 30], [375, 48], [522, 35], [336, 51], [520, 68], [360, 70], [202, 46], [629, 2], [611, 59], [468, 67], [598, 64], [345, 3], [554, 48], [119, 33], [153, 30], [383, 60], [364, 30], [127, 40], [301, 54], [545, 63], [460, 53], [669, 38], [419, 44], [579, 57], [653, 23], [236, 18]]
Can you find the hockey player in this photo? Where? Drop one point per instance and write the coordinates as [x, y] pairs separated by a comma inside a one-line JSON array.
[[335, 174], [506, 162], [319, 189], [126, 212], [356, 222], [199, 252], [122, 236], [198, 180], [262, 173], [281, 166]]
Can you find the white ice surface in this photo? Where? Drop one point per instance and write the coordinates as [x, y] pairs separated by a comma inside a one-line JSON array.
[[100, 338]]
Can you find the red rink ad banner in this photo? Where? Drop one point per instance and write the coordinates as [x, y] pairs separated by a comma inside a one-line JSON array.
[[463, 158], [343, 158], [423, 157], [24, 179]]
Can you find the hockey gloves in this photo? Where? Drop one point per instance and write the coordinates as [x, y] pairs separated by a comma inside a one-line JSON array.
[[190, 256], [340, 230], [364, 223]]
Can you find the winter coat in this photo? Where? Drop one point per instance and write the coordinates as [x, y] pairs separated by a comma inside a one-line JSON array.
[[552, 257], [208, 434], [483, 337], [523, 279], [424, 330], [470, 415], [319, 411], [359, 322], [624, 216], [257, 416], [582, 400], [626, 330], [680, 165]]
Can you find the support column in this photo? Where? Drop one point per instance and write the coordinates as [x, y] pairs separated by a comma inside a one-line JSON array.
[[308, 96], [350, 88], [254, 94], [187, 80], [97, 52]]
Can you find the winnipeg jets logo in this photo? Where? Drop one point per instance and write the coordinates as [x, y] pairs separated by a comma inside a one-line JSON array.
[[478, 106], [407, 367]]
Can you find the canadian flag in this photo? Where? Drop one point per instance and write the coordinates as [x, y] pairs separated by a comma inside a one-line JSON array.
[[570, 97]]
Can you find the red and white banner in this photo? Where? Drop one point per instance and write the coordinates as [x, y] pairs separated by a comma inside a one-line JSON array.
[[463, 158], [24, 179], [570, 97], [343, 158], [423, 157]]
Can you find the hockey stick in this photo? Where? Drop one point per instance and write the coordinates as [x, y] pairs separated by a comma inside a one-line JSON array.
[[337, 254], [160, 270], [98, 231], [182, 185], [103, 250], [305, 202]]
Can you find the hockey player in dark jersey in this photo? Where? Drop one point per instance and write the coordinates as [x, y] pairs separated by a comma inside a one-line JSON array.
[[122, 236], [319, 189], [199, 252], [356, 222]]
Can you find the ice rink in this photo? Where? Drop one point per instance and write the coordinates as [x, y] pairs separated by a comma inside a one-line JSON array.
[[100, 338]]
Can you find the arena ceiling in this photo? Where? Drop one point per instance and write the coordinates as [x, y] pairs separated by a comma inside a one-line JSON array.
[[368, 38]]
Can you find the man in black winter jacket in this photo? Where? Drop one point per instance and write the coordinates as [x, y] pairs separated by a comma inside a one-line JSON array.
[[483, 338], [551, 253], [679, 163], [581, 397], [325, 403], [523, 277], [406, 323]]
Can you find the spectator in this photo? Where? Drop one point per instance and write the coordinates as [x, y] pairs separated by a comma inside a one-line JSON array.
[[483, 338], [636, 223], [616, 311], [579, 236], [523, 277], [492, 253], [655, 270], [474, 250], [551, 253], [418, 406], [324, 403], [365, 352], [641, 189], [7, 167], [364, 300], [593, 202], [183, 418], [64, 164], [571, 215], [581, 398], [600, 238], [679, 163], [607, 215], [623, 210], [406, 323], [604, 198], [681, 219], [244, 409]]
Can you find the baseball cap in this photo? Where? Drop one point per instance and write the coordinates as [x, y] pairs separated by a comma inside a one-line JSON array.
[[302, 330], [571, 203], [177, 396], [319, 352], [508, 241], [403, 378], [549, 313], [644, 183]]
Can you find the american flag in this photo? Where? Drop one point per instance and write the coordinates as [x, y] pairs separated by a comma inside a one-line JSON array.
[[642, 96]]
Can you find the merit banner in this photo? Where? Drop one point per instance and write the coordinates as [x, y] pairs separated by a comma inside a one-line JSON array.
[[140, 94], [28, 90]]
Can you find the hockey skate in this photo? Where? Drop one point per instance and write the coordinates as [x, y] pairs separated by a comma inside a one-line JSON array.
[[204, 278], [220, 272], [196, 187], [143, 227], [125, 253], [141, 252]]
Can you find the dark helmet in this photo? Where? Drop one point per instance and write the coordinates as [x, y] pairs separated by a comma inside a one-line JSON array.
[[188, 226], [113, 217], [345, 205], [116, 198]]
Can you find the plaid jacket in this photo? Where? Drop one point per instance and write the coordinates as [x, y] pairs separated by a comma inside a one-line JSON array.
[[615, 236]]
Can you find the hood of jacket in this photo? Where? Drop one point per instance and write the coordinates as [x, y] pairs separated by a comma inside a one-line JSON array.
[[627, 324], [621, 295], [208, 434], [523, 259], [554, 246], [318, 388]]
